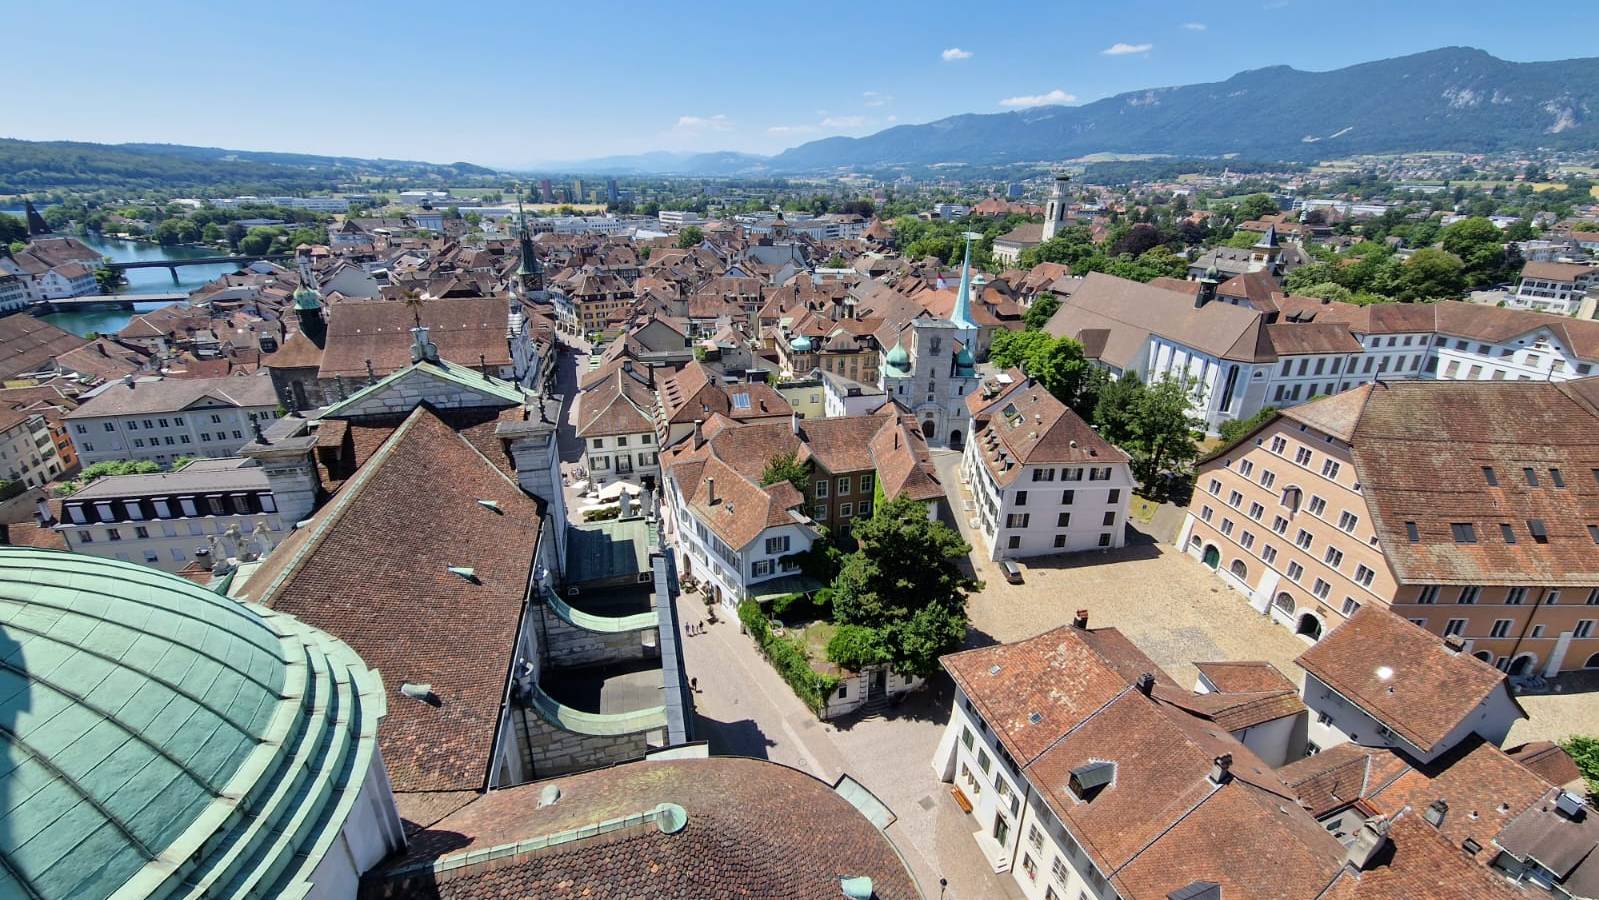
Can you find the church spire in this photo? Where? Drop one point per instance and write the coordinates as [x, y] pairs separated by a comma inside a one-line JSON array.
[[961, 315], [528, 269]]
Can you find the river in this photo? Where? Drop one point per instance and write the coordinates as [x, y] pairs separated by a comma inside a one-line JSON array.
[[140, 281]]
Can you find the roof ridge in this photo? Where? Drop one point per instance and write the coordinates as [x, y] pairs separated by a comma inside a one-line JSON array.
[[341, 504]]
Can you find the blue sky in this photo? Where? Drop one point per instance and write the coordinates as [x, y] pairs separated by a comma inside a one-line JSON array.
[[518, 83]]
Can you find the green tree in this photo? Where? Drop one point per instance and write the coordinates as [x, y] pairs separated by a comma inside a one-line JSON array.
[[690, 237], [258, 241], [1163, 432], [169, 233], [212, 233], [1584, 752], [109, 279], [1256, 206], [235, 234], [1480, 246], [1117, 408], [1056, 363], [1233, 429], [786, 467], [903, 582], [1430, 274], [12, 230], [1327, 290], [1069, 247], [854, 647], [1043, 309]]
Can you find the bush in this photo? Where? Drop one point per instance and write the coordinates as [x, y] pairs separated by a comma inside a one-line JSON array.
[[602, 515], [1585, 753], [787, 656], [854, 647]]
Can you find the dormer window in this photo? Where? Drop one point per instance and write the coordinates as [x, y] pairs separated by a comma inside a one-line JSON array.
[[1088, 780]]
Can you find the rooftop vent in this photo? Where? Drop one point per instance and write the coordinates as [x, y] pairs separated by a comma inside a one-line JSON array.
[[1370, 840], [1435, 812], [1146, 683], [1088, 780], [1569, 804], [549, 795], [422, 692], [1034, 718], [1221, 769], [466, 572], [993, 670], [491, 504]]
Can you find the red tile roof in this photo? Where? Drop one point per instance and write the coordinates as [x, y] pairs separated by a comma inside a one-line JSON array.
[[371, 569], [754, 829], [1402, 675]]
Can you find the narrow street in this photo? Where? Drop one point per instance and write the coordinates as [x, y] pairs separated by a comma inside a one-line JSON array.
[[743, 708]]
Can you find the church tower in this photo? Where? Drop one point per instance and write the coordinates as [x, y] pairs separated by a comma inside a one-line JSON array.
[[529, 271], [1055, 212], [308, 303]]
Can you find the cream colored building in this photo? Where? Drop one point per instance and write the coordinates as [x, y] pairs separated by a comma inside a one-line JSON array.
[[1466, 507]]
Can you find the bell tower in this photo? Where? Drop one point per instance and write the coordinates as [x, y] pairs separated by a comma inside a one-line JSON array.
[[1055, 212]]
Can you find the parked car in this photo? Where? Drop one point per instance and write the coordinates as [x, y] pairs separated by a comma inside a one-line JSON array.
[[1013, 572]]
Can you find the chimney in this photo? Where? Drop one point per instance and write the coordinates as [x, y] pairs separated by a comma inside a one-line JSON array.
[[1221, 769], [697, 438], [1435, 812], [710, 491], [1207, 292], [793, 419], [1369, 842], [1146, 683], [1454, 643], [1080, 620]]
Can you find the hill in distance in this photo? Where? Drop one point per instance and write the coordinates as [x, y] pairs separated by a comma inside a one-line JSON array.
[[1456, 98], [48, 165]]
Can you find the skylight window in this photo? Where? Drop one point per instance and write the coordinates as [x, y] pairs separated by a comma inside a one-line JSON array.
[[1464, 532], [1489, 476], [741, 401], [1539, 533], [1412, 532]]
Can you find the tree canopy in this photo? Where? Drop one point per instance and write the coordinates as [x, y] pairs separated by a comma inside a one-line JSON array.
[[1056, 363], [787, 467], [904, 584], [1043, 309]]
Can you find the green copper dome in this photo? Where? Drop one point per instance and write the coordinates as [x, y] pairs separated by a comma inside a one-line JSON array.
[[801, 344], [161, 740], [306, 298], [964, 364], [898, 362]]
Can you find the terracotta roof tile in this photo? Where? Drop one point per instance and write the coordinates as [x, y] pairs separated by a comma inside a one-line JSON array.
[[1402, 675]]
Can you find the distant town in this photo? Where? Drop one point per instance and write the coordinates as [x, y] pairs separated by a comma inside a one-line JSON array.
[[1132, 527]]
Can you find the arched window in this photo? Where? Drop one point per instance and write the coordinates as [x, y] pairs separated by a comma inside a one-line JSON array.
[[1488, 657], [1592, 663], [1309, 626], [1284, 602], [1522, 665], [1239, 570], [1194, 541]]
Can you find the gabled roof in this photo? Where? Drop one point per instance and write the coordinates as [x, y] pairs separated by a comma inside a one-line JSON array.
[[1025, 425], [1402, 675], [170, 395], [371, 567], [28, 344], [487, 386], [1131, 312], [618, 404]]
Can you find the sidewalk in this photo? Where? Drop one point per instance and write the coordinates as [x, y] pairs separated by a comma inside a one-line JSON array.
[[744, 708]]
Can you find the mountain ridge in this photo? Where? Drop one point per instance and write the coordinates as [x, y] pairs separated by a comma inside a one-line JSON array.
[[1452, 98]]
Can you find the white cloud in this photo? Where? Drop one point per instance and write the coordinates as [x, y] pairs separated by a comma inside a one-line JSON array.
[[892, 119], [873, 98], [791, 129], [956, 54], [843, 121], [1194, 26], [1122, 49], [1055, 97], [717, 122]]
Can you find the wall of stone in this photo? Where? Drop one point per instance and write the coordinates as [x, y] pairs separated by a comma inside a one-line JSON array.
[[554, 751], [566, 644]]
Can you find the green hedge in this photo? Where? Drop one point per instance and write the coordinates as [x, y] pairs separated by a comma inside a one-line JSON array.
[[787, 656]]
